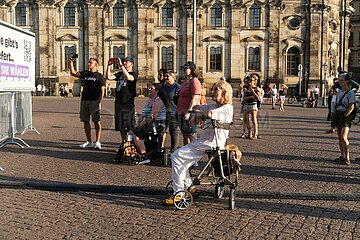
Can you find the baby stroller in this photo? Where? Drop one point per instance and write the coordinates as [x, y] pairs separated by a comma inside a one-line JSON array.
[[222, 169], [155, 151]]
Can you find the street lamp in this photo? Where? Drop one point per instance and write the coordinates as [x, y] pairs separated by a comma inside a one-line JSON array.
[[325, 83]]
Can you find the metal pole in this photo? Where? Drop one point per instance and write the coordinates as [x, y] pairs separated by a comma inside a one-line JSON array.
[[194, 33]]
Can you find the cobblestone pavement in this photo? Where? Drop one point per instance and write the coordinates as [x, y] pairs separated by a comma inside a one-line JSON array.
[[294, 158]]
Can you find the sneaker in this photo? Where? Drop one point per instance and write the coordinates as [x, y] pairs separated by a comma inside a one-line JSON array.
[[170, 200], [330, 131], [97, 145], [347, 162], [245, 136], [144, 161], [86, 145]]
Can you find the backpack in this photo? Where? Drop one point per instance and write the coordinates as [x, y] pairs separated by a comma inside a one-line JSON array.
[[354, 111]]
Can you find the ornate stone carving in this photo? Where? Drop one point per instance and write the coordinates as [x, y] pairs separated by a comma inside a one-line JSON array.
[[143, 3], [44, 2], [236, 3], [93, 2], [278, 4]]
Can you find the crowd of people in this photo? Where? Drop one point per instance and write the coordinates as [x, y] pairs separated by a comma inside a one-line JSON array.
[[171, 103]]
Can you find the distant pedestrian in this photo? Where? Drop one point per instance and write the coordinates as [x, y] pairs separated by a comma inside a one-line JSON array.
[[261, 96], [93, 91], [38, 90], [274, 93], [203, 92], [332, 106], [316, 92], [345, 103], [282, 96], [268, 93], [251, 94]]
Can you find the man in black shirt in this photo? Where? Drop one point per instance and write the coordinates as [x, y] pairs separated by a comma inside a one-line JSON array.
[[93, 91], [124, 95]]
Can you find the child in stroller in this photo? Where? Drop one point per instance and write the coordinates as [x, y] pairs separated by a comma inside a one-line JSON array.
[[146, 139]]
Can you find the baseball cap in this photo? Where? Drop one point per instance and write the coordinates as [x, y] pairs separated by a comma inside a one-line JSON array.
[[190, 65], [128, 59]]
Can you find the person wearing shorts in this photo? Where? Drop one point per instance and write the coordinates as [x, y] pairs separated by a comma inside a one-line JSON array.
[[282, 94], [93, 91], [345, 103], [251, 95]]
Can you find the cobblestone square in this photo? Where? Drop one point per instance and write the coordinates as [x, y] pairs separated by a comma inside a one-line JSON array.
[[289, 187]]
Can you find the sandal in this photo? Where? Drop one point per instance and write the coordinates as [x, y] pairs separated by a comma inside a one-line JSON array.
[[339, 159]]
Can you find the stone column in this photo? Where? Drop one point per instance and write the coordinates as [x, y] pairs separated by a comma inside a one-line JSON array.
[[145, 42], [94, 32]]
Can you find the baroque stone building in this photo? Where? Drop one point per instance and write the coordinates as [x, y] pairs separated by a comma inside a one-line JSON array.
[[233, 37]]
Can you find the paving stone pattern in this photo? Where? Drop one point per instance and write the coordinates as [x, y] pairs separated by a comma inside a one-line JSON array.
[[294, 156]]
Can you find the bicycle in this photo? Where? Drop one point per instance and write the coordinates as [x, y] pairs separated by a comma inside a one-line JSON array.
[[299, 98], [356, 120]]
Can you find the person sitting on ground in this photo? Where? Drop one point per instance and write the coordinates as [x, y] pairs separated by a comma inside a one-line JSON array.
[[154, 110], [188, 155]]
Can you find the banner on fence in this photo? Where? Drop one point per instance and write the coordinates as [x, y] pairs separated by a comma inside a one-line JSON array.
[[17, 58]]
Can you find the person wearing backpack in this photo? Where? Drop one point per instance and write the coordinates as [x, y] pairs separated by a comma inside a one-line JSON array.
[[345, 104]]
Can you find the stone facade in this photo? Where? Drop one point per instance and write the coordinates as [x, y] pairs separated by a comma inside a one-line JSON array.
[[269, 38]]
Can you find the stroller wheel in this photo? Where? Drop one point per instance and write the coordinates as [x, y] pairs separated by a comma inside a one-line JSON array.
[[169, 188], [183, 200], [232, 198], [219, 191]]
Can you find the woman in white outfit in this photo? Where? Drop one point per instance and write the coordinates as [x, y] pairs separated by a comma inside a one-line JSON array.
[[186, 156]]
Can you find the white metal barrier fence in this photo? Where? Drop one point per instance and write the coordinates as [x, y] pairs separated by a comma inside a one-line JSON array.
[[15, 116]]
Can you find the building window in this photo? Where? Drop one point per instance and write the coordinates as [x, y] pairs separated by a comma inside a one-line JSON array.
[[215, 58], [216, 16], [69, 50], [69, 14], [350, 60], [351, 39], [254, 59], [20, 12], [167, 57], [167, 15], [292, 61], [255, 16], [120, 53], [358, 60], [118, 15]]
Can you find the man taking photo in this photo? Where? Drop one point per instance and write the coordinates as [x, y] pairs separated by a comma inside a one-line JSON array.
[[93, 91]]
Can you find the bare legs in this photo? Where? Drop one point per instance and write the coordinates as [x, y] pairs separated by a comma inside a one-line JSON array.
[[255, 132], [87, 128], [344, 142]]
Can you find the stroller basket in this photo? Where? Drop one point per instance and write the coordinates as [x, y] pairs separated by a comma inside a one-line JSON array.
[[226, 160]]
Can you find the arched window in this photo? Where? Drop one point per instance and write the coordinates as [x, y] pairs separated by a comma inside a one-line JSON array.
[[255, 13], [215, 59], [167, 57], [118, 51], [254, 59], [20, 12], [69, 14], [118, 15], [167, 15], [216, 15], [292, 61]]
